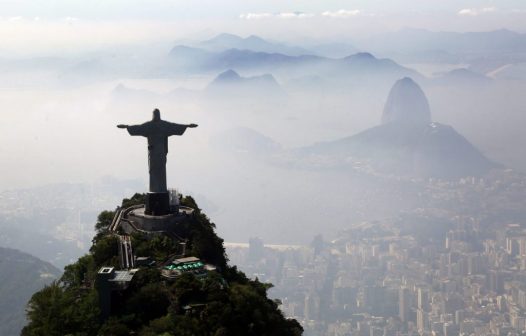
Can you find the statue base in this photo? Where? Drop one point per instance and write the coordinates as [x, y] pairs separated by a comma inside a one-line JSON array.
[[135, 220], [157, 204]]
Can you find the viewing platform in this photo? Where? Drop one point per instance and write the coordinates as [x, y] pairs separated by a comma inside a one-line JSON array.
[[134, 219]]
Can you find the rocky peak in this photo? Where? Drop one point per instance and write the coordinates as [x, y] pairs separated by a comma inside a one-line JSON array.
[[406, 104]]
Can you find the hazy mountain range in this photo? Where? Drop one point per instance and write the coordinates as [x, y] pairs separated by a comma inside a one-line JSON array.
[[421, 43], [187, 59], [230, 82], [305, 117], [424, 45], [406, 143], [21, 275], [301, 73], [483, 51], [226, 41]]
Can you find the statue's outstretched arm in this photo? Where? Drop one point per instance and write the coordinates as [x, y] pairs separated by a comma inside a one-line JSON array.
[[177, 129], [142, 130]]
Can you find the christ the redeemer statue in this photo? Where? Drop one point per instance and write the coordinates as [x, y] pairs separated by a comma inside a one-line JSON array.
[[157, 131]]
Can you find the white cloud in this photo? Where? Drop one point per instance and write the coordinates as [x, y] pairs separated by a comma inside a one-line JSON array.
[[467, 12], [70, 20], [15, 19], [342, 13], [285, 15], [475, 11], [295, 15], [252, 16]]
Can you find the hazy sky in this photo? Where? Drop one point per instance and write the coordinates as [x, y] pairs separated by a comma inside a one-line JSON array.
[[51, 25], [212, 9]]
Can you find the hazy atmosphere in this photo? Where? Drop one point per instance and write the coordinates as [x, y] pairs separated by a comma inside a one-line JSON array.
[[381, 139]]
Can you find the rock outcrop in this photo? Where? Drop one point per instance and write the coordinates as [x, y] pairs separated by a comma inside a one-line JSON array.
[[407, 143], [407, 104]]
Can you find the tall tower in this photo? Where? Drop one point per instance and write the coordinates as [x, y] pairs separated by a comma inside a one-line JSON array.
[[404, 304], [423, 299]]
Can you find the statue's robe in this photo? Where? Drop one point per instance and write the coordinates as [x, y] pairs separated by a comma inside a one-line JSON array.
[[157, 132]]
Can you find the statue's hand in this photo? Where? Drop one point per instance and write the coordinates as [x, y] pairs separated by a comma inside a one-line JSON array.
[[122, 126], [192, 125]]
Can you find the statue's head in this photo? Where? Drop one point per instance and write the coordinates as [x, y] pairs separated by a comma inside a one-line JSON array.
[[156, 115]]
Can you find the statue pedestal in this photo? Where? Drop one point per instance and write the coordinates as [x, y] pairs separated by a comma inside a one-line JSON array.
[[157, 204], [136, 220]]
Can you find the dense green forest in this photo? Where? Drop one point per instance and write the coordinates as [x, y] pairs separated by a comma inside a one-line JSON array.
[[225, 302]]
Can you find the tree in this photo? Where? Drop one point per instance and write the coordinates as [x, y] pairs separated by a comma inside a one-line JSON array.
[[225, 302], [149, 302], [103, 224], [105, 251], [136, 199], [58, 311], [76, 274]]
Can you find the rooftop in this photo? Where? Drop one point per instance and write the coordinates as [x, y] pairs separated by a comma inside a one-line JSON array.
[[124, 276]]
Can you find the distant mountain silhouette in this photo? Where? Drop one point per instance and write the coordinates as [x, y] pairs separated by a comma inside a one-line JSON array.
[[446, 46], [431, 150], [361, 71], [361, 65], [186, 59], [21, 275], [407, 143], [244, 140], [246, 59], [367, 59], [366, 64], [334, 50], [510, 71], [462, 76], [406, 104], [230, 77], [227, 77], [219, 42], [231, 84], [185, 52], [225, 41], [199, 60]]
